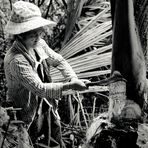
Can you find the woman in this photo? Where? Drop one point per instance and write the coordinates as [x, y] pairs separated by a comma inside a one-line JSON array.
[[27, 65]]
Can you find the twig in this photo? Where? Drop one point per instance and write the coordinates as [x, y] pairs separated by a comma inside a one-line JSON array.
[[32, 1], [81, 106], [40, 3], [46, 15], [94, 104], [10, 4], [65, 4], [5, 134]]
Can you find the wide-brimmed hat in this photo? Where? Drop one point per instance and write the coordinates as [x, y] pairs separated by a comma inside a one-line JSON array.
[[25, 17]]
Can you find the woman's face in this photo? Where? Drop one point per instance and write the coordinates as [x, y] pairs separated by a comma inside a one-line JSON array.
[[31, 38]]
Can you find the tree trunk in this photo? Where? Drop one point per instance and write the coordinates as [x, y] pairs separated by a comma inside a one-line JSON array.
[[127, 54]]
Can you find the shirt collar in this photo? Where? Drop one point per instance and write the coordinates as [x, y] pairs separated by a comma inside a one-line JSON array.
[[21, 48], [41, 53]]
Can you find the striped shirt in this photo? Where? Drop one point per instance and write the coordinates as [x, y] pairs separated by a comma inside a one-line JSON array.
[[23, 82]]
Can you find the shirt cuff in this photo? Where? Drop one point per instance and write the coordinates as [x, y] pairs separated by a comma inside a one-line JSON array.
[[54, 90]]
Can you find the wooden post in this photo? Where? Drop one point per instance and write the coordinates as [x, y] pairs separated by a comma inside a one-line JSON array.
[[120, 107], [117, 98]]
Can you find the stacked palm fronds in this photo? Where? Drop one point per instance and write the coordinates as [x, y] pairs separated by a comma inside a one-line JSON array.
[[95, 35]]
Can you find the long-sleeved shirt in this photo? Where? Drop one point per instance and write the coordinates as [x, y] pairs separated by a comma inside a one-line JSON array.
[[23, 82]]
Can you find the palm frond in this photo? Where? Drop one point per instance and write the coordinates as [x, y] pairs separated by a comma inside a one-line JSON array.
[[93, 34], [86, 27], [89, 38], [86, 64]]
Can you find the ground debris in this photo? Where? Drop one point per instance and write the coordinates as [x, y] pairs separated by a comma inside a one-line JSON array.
[[121, 134]]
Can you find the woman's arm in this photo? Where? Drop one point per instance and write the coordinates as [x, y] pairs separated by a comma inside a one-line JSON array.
[[57, 61], [22, 70]]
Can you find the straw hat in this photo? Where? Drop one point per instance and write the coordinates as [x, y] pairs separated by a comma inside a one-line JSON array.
[[25, 16]]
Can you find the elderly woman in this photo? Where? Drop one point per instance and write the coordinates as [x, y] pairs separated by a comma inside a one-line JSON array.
[[27, 65]]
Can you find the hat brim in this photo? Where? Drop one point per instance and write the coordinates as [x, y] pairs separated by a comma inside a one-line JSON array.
[[18, 28]]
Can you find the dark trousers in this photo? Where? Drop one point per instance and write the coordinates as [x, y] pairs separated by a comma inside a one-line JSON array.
[[46, 128]]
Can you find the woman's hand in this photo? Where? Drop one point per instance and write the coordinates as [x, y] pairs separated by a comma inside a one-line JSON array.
[[76, 84], [79, 84]]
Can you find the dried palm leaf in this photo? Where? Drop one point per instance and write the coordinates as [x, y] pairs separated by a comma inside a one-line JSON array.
[[82, 65], [86, 27], [94, 33], [89, 38]]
